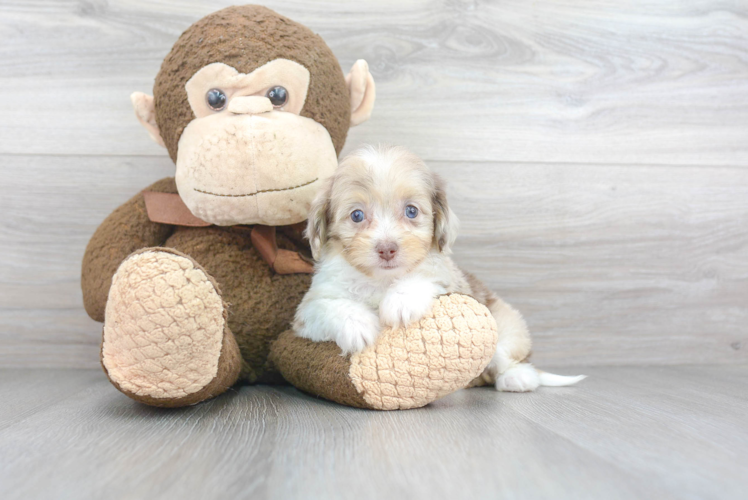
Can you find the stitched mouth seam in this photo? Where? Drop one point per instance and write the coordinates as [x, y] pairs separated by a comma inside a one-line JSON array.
[[257, 192]]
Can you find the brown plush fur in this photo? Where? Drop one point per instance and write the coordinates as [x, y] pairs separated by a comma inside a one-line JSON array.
[[246, 37], [316, 368]]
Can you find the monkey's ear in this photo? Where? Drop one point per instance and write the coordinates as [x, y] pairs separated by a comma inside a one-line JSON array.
[[319, 218], [445, 220], [362, 91], [145, 110]]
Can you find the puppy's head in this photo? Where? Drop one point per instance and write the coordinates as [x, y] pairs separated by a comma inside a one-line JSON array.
[[383, 210]]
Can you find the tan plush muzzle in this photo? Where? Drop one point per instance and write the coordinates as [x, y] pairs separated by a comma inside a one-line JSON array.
[[249, 168]]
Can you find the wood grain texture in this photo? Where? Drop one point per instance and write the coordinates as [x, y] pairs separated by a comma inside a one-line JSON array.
[[613, 265], [645, 433], [604, 82], [595, 153]]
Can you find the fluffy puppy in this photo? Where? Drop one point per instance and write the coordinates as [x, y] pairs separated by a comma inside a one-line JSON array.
[[381, 231]]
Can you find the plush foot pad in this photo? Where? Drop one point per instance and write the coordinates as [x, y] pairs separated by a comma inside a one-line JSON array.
[[165, 331], [444, 352], [405, 368]]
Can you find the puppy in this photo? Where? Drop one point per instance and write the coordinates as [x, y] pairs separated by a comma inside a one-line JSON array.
[[381, 231]]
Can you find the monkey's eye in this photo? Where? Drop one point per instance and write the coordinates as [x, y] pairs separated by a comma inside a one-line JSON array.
[[357, 216], [278, 96], [411, 212], [216, 99]]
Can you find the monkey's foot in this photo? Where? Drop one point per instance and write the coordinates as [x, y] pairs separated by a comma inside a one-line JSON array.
[[166, 342], [405, 367]]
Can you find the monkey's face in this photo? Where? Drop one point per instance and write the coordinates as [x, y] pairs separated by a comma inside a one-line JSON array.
[[253, 109], [248, 157]]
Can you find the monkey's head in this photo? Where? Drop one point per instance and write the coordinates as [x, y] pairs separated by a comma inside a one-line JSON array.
[[254, 110]]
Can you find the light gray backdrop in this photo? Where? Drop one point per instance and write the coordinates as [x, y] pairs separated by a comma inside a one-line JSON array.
[[596, 152]]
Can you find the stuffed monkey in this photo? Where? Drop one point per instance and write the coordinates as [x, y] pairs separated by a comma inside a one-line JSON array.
[[197, 277]]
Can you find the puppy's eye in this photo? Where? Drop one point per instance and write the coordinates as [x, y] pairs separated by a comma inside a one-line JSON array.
[[411, 212], [278, 96], [216, 99], [357, 216]]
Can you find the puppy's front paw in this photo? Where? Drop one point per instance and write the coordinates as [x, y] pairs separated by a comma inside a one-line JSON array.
[[402, 309], [519, 378], [359, 330]]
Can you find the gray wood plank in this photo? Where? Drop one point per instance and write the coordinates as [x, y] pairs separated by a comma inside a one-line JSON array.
[[610, 265], [558, 81], [623, 433], [652, 421], [26, 392]]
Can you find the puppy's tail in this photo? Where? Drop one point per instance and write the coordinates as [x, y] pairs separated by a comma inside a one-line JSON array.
[[553, 380]]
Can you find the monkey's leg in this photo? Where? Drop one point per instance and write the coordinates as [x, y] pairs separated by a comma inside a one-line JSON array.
[[405, 368], [165, 340]]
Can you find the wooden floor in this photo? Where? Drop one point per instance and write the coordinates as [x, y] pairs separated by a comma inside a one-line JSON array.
[[629, 433]]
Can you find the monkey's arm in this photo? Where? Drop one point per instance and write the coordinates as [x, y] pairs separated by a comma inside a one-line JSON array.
[[126, 230], [404, 368]]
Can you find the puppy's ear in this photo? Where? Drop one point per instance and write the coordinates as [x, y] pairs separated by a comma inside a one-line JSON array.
[[445, 220], [319, 218]]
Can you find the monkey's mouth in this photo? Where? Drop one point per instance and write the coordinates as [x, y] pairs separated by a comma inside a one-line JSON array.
[[276, 190]]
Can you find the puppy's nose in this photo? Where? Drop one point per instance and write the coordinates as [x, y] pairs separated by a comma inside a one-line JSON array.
[[387, 250]]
